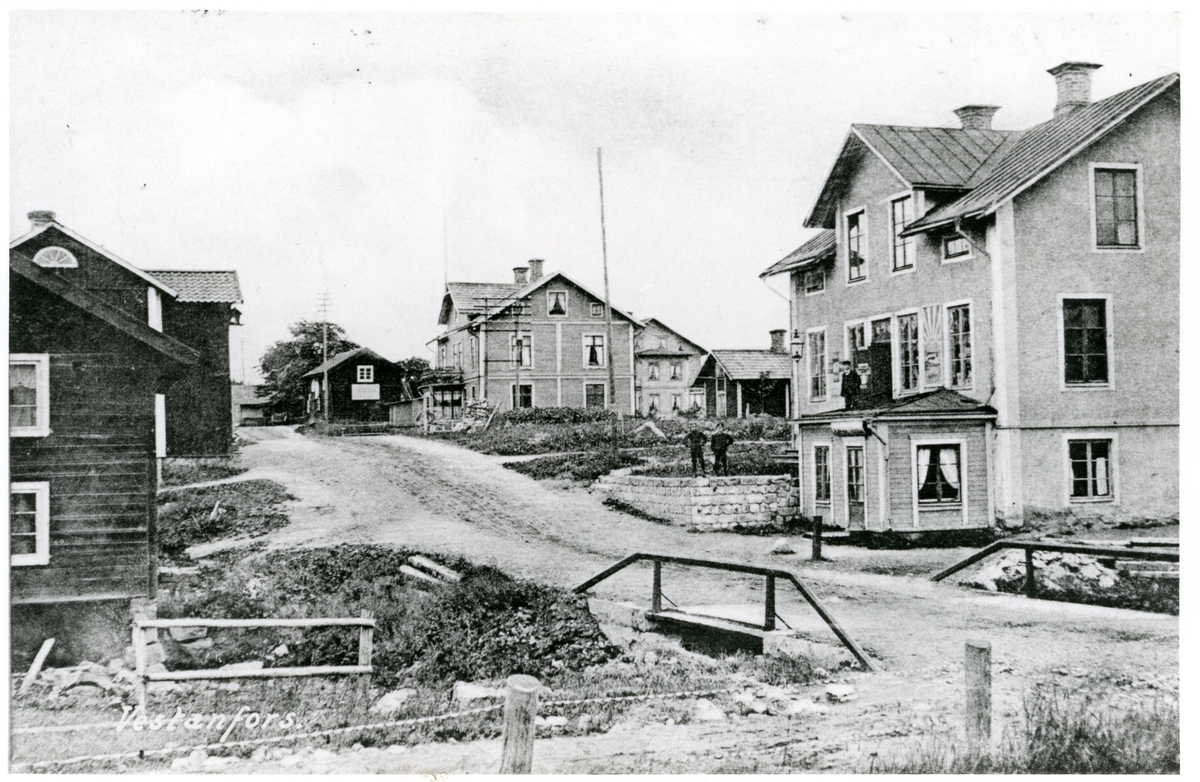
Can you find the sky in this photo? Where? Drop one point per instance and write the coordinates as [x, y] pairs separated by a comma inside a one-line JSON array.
[[375, 155]]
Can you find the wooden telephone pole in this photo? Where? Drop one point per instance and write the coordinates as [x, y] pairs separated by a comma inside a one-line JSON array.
[[612, 377]]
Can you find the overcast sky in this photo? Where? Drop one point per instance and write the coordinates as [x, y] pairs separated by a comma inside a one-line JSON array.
[[314, 151]]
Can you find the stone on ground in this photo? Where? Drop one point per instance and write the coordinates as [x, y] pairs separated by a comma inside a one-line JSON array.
[[781, 546], [391, 703], [465, 692]]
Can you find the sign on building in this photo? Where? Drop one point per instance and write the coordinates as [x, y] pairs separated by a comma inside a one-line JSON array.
[[364, 392]]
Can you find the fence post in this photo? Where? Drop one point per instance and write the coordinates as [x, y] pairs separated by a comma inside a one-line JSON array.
[[139, 656], [978, 669], [656, 596], [818, 522], [520, 707], [38, 662], [1030, 574], [769, 615], [366, 645]]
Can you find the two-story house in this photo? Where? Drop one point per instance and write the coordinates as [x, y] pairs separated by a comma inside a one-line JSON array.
[[666, 365], [539, 341], [987, 328]]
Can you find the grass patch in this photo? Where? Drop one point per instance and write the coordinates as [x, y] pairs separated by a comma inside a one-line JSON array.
[[176, 473], [191, 516], [587, 466], [1063, 732]]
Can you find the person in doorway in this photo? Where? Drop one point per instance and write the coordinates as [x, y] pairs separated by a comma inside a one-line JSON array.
[[720, 442], [851, 385], [695, 440]]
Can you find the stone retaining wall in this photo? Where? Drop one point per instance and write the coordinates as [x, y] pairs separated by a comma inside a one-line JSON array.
[[707, 504]]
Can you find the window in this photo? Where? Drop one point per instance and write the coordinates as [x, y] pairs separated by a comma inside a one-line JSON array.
[[1085, 341], [28, 395], [442, 355], [597, 310], [881, 330], [856, 343], [938, 474], [821, 471], [902, 248], [854, 474], [594, 394], [447, 402], [593, 350], [910, 356], [1090, 475], [814, 281], [1116, 207], [366, 374], [474, 351], [959, 319], [856, 246], [520, 350], [556, 302], [29, 523], [655, 403], [676, 402], [677, 370], [457, 350], [653, 370], [955, 247], [816, 365], [696, 399], [522, 395], [55, 258]]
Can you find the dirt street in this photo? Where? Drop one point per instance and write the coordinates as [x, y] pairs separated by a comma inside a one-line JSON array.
[[437, 497]]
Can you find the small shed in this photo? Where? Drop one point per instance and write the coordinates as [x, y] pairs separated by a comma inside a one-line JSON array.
[[739, 383], [249, 409], [361, 384]]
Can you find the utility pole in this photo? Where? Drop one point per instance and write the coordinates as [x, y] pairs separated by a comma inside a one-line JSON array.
[[325, 351], [612, 377]]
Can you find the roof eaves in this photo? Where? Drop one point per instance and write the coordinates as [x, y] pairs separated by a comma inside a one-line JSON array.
[[97, 248]]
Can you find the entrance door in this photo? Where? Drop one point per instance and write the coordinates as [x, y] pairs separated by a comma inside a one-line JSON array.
[[855, 505]]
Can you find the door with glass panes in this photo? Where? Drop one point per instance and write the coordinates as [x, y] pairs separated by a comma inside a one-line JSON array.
[[856, 500]]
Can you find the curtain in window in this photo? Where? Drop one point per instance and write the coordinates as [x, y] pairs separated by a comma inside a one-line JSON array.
[[22, 395], [948, 459], [924, 466]]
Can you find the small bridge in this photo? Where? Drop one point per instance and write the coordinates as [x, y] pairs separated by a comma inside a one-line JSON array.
[[696, 621]]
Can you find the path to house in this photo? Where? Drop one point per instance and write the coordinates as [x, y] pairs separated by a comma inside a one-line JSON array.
[[430, 495]]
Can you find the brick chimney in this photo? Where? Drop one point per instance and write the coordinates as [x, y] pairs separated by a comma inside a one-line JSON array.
[[777, 345], [1074, 80], [976, 117], [39, 218], [535, 269], [520, 275]]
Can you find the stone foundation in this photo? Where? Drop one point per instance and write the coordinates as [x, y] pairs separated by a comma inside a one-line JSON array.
[[708, 504]]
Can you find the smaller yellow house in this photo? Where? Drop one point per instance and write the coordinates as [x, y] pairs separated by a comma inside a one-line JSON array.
[[666, 364]]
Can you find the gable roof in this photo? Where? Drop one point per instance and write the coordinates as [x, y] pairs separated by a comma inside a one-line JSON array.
[[1044, 147], [95, 248], [201, 286], [243, 394], [934, 158], [343, 357], [819, 248], [472, 298], [664, 326], [515, 294], [751, 364], [25, 268]]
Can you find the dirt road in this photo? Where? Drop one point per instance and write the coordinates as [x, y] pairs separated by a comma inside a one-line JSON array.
[[437, 497]]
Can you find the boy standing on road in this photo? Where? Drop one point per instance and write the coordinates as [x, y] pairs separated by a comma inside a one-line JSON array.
[[695, 440], [721, 440]]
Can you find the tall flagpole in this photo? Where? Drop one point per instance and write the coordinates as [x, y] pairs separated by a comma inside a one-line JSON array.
[[608, 340]]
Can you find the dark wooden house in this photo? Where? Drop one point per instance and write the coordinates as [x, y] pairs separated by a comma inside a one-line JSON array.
[[738, 383], [361, 385], [198, 408], [84, 369]]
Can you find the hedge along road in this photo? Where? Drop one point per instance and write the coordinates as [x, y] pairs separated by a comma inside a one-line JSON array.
[[437, 497]]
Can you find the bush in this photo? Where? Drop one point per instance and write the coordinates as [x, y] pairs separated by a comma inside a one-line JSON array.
[[579, 467], [555, 415], [743, 458], [191, 516]]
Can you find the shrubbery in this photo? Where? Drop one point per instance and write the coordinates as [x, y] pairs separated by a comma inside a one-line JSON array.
[[190, 516], [579, 467]]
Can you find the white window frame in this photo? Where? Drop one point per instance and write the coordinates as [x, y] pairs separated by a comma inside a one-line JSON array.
[[513, 363], [550, 303], [897, 389], [912, 267], [584, 352], [369, 375], [41, 362], [866, 244], [847, 443], [846, 326], [68, 262], [512, 394], [947, 370], [587, 383], [808, 364], [964, 493], [1141, 206], [827, 444], [655, 401], [1109, 331], [677, 375], [804, 281], [41, 555], [154, 308], [597, 309], [970, 254], [1114, 451], [653, 370]]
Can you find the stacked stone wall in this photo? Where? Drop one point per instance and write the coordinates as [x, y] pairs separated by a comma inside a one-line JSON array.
[[708, 504]]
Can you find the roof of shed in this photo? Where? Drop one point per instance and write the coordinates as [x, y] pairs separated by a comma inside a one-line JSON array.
[[751, 364], [202, 286], [246, 395], [343, 357], [812, 252], [1043, 148]]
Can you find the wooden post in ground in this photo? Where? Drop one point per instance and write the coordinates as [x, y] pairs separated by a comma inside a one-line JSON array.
[[816, 539], [520, 707], [656, 596], [38, 662], [978, 668], [769, 615], [366, 644], [139, 656], [1030, 575]]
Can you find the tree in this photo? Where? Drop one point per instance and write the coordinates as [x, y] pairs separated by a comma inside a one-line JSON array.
[[285, 363], [413, 368]]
